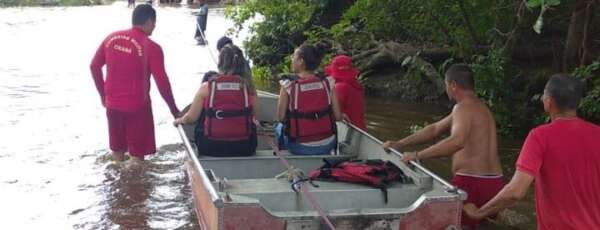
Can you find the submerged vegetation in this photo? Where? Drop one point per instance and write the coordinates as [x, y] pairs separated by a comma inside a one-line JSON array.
[[403, 47]]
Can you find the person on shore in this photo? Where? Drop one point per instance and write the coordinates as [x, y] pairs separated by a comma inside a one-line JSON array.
[[201, 21], [308, 106], [349, 92], [563, 157], [228, 105], [131, 57], [472, 142]]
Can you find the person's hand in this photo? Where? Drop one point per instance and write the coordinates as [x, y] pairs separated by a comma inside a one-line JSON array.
[[472, 211], [408, 156], [178, 121], [389, 145], [345, 118]]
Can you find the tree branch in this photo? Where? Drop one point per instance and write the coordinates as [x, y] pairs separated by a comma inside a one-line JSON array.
[[468, 22]]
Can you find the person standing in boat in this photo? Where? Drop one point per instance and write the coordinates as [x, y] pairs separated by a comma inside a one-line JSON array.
[[229, 104], [307, 106], [472, 142], [349, 92], [563, 157], [131, 57], [201, 21]]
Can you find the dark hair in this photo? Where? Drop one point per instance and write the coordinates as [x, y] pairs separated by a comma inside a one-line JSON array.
[[232, 62], [462, 75], [312, 54], [209, 75], [223, 41], [142, 13], [565, 90]]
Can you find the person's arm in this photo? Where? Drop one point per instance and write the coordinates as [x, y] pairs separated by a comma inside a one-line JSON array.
[[514, 191], [342, 99], [461, 127], [193, 113], [253, 102], [337, 113], [528, 167], [157, 68], [426, 134], [282, 104], [98, 62]]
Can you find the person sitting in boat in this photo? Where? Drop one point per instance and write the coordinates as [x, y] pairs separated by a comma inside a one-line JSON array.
[[307, 106], [349, 92], [222, 42], [229, 102]]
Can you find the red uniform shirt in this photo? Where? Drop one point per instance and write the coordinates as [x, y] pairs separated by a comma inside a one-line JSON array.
[[564, 159], [350, 96], [130, 57]]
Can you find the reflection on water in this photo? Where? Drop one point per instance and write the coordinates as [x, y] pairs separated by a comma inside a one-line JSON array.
[[55, 169]]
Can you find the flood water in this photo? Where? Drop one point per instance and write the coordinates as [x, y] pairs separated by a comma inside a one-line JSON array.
[[55, 167]]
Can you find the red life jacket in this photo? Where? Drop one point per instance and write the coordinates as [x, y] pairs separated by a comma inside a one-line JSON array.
[[310, 113], [376, 173], [228, 110]]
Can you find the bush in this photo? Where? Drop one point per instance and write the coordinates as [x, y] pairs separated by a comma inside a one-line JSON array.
[[280, 31], [501, 89], [589, 108]]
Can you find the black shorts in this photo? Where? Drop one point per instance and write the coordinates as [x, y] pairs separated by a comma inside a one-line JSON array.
[[215, 148]]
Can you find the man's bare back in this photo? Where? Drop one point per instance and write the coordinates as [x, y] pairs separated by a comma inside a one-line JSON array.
[[472, 142], [479, 153]]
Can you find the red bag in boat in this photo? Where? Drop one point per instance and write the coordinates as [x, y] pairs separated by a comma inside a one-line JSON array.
[[375, 173]]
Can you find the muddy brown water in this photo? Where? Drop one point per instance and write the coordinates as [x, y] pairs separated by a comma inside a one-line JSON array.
[[55, 168]]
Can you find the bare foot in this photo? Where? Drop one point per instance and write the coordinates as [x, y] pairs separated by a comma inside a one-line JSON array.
[[136, 159], [118, 156]]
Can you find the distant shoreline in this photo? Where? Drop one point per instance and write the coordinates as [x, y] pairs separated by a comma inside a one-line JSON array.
[[30, 3]]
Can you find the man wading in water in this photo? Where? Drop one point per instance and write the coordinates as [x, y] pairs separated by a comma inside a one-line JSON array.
[[472, 141], [130, 57]]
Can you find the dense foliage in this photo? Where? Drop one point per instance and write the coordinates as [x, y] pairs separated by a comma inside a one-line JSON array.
[[513, 46]]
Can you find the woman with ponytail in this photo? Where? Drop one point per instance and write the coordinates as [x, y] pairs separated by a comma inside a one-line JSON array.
[[225, 106], [307, 107]]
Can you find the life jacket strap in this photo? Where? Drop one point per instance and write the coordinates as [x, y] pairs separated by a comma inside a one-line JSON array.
[[220, 114], [309, 115]]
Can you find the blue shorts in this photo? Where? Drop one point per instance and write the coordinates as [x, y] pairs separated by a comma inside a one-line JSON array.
[[299, 148]]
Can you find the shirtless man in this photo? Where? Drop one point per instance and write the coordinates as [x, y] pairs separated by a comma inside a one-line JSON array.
[[472, 141]]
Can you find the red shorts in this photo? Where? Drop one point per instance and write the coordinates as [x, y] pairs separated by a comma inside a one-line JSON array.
[[480, 190], [131, 131]]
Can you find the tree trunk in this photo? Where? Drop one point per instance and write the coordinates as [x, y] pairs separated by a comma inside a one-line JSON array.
[[574, 42]]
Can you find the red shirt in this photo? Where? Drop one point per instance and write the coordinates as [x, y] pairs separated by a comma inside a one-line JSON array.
[[130, 57], [350, 96], [564, 159]]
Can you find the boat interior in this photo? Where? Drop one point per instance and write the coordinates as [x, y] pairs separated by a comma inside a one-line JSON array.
[[255, 179]]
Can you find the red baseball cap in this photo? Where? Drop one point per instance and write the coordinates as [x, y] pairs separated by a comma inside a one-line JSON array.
[[341, 66]]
